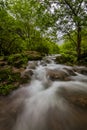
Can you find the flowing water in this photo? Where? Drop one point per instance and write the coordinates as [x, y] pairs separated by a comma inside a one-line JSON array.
[[55, 99]]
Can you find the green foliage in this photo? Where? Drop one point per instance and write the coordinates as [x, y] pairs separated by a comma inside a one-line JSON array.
[[66, 16], [20, 30], [68, 47], [66, 59], [21, 59], [7, 80], [69, 58], [20, 38], [6, 75], [15, 59], [25, 24], [10, 41], [6, 89], [84, 41], [10, 73], [68, 52]]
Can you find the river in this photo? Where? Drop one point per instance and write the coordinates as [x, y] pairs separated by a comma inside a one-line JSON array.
[[55, 99]]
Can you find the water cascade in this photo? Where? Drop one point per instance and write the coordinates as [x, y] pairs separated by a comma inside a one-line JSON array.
[[55, 99]]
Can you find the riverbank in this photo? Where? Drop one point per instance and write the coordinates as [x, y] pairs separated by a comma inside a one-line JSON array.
[[11, 68]]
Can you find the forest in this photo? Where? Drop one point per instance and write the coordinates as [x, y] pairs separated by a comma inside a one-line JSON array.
[[43, 64], [31, 29]]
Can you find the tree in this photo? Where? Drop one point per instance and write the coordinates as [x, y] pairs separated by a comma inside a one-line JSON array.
[[27, 12], [10, 39], [68, 16]]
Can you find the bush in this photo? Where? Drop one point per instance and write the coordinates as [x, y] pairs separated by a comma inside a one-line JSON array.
[[6, 75], [68, 52], [66, 59], [69, 58]]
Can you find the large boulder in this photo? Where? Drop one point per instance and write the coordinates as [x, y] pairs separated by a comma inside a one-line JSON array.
[[32, 64], [26, 76], [81, 69], [70, 71], [43, 63], [47, 60], [57, 74], [27, 73]]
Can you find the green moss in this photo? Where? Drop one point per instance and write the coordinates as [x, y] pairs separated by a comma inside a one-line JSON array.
[[8, 80], [6, 89], [5, 73], [1, 58], [20, 60]]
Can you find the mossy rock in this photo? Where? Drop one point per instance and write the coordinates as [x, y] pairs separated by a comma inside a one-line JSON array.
[[34, 57], [10, 79], [5, 72], [13, 58], [24, 80], [21, 63], [20, 60], [10, 73]]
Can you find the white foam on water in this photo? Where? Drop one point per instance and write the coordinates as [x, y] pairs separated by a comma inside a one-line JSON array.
[[40, 100]]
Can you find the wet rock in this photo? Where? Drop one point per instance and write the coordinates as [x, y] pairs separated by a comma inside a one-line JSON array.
[[74, 96], [26, 76], [81, 70], [3, 63], [18, 63], [32, 65], [47, 60], [70, 71], [27, 73], [78, 99], [79, 77], [58, 75], [43, 63]]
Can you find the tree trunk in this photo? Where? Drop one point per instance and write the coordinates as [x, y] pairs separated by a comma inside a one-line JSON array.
[[79, 42]]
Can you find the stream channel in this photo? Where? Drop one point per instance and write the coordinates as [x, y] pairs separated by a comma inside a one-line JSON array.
[[55, 99]]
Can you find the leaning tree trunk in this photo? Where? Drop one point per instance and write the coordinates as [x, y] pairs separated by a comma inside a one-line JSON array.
[[79, 43]]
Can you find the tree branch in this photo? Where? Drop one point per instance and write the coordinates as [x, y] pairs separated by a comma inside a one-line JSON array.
[[71, 7], [70, 37], [79, 6]]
